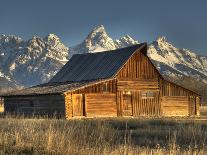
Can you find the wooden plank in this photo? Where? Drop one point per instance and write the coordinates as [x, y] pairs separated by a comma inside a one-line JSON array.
[[98, 105], [175, 106]]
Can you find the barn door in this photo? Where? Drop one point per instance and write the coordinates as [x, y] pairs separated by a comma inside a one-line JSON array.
[[127, 105], [77, 100]]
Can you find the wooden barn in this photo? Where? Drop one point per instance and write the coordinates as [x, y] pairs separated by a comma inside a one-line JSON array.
[[122, 82]]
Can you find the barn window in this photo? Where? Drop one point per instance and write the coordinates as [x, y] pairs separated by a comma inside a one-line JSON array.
[[147, 94]]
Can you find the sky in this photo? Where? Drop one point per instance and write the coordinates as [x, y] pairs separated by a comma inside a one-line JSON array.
[[183, 22]]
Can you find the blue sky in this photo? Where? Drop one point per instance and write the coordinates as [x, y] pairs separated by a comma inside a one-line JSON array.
[[183, 22]]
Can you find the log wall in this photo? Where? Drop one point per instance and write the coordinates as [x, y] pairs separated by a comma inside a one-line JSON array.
[[68, 105], [98, 105], [138, 76], [174, 93], [37, 105], [1, 105], [98, 88], [175, 106]]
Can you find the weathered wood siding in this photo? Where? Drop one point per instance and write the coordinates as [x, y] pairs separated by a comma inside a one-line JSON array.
[[41, 105], [78, 104], [1, 105], [68, 105], [172, 93], [98, 88], [175, 106], [137, 76], [97, 105], [138, 67]]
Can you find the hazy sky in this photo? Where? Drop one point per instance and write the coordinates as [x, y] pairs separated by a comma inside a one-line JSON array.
[[183, 22]]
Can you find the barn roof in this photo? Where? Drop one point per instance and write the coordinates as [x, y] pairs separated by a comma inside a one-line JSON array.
[[93, 66], [51, 88]]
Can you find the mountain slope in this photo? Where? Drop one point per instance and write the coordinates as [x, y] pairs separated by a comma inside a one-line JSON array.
[[173, 62], [34, 61]]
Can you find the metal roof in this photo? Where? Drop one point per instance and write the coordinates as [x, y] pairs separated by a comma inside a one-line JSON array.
[[94, 66]]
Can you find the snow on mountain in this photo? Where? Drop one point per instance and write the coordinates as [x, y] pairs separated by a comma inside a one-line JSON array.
[[34, 61], [98, 40], [125, 41], [173, 61]]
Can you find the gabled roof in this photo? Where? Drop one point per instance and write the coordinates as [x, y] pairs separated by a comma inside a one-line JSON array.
[[94, 66], [51, 88]]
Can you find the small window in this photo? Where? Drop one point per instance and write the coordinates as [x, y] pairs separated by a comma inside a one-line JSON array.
[[147, 94]]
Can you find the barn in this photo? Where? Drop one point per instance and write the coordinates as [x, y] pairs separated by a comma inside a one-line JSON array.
[[122, 82]]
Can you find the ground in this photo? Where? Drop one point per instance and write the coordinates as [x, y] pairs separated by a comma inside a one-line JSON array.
[[104, 136]]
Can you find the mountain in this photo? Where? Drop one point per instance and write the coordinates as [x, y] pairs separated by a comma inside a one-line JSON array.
[[34, 61], [98, 40], [176, 63]]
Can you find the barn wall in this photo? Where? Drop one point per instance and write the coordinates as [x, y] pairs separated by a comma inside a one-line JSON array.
[[98, 88], [138, 76], [68, 105], [179, 96], [1, 105], [175, 106], [97, 105], [99, 94], [42, 105]]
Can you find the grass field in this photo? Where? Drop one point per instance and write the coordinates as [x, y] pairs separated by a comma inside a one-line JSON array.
[[103, 136]]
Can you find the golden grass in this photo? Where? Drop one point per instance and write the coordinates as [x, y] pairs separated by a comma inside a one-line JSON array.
[[102, 136]]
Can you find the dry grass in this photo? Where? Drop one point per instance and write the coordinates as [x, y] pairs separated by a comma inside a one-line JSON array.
[[102, 136]]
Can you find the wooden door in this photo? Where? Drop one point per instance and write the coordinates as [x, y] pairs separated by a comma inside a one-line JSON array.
[[127, 105], [100, 105], [77, 100]]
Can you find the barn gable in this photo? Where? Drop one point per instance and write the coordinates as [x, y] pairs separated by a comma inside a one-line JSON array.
[[93, 66]]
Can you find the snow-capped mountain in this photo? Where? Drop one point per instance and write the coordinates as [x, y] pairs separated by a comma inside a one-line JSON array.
[[176, 63], [31, 62], [98, 40], [38, 59]]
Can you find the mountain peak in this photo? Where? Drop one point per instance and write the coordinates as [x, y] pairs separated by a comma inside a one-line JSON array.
[[52, 39], [99, 28], [161, 39], [125, 41], [52, 36]]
